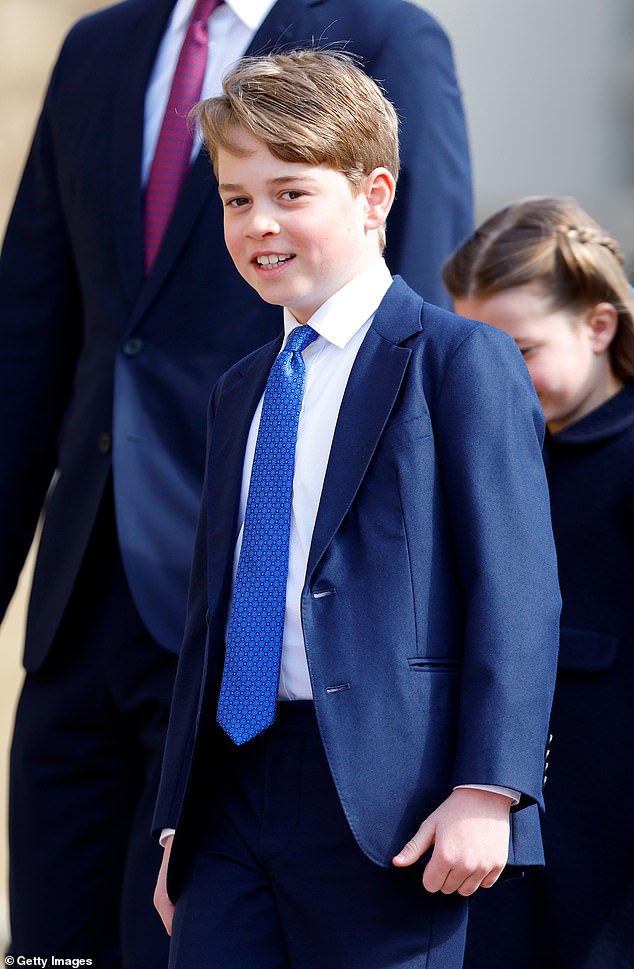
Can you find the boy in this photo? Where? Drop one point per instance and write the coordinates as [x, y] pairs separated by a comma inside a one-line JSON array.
[[387, 594]]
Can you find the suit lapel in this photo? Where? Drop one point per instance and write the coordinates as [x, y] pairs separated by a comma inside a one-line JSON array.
[[198, 189], [230, 430], [370, 395], [134, 71]]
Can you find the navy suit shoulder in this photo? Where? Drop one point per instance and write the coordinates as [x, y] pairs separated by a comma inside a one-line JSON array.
[[404, 315]]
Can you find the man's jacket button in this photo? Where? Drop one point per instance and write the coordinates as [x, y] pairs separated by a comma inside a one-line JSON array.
[[132, 347]]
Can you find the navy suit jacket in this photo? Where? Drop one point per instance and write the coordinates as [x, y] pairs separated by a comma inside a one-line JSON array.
[[430, 606], [105, 370]]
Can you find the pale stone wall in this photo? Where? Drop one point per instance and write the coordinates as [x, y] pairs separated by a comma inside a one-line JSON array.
[[549, 95]]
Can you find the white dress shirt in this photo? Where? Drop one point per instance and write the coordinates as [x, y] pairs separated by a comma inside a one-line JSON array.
[[232, 27], [341, 322]]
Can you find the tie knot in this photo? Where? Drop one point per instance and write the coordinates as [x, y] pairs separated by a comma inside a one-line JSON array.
[[300, 338], [204, 9]]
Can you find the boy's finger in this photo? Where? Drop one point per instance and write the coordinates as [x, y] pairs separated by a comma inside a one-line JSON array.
[[470, 885], [491, 878], [439, 875]]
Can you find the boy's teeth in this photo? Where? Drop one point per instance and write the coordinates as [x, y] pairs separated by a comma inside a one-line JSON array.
[[271, 260]]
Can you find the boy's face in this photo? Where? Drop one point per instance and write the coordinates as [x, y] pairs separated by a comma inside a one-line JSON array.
[[295, 231]]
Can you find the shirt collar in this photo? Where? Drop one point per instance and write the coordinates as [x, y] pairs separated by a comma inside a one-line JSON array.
[[343, 315], [250, 12]]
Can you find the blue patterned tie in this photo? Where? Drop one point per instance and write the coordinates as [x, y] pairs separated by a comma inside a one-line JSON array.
[[250, 680]]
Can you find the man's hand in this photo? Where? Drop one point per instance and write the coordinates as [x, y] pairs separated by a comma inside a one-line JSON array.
[[162, 902], [470, 836]]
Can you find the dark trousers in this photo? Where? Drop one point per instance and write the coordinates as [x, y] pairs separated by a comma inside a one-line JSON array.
[[85, 763], [278, 881]]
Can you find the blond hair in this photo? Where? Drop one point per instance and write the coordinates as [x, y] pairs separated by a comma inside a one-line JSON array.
[[553, 243], [311, 106]]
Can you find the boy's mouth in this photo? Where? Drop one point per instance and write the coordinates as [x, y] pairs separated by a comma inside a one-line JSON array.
[[272, 260]]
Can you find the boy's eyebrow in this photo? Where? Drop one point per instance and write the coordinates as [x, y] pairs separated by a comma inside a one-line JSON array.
[[279, 180], [290, 178]]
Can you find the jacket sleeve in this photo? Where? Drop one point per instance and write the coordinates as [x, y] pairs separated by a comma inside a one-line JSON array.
[[40, 334], [489, 434]]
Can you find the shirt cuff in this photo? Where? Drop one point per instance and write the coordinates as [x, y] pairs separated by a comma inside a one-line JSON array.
[[165, 834], [505, 791]]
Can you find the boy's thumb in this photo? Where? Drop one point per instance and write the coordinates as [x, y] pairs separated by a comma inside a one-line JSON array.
[[416, 846]]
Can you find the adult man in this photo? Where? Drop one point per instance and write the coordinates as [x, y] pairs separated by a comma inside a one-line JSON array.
[[110, 349]]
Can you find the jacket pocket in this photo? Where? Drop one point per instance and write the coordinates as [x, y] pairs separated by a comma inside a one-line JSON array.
[[403, 433], [586, 651], [432, 664]]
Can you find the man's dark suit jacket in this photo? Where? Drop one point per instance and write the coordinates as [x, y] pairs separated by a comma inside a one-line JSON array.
[[430, 606], [103, 369]]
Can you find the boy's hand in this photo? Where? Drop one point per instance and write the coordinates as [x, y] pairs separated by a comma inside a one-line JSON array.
[[162, 902], [470, 836]]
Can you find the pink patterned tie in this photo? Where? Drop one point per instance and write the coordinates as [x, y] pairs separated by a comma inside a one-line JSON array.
[[174, 147]]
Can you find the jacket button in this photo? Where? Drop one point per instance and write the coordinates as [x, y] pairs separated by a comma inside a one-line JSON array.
[[104, 443], [132, 347]]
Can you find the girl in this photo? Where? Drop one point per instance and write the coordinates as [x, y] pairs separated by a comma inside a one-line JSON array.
[[544, 272]]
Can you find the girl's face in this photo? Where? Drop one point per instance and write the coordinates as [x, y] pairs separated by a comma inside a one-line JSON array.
[[566, 352]]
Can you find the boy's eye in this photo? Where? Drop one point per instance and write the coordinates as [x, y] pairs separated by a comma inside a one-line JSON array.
[[237, 202], [291, 194], [526, 351]]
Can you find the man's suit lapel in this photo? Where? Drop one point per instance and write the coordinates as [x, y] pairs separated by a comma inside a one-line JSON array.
[[370, 395], [198, 189], [133, 73]]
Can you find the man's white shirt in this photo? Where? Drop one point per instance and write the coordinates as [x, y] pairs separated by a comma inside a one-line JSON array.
[[232, 27]]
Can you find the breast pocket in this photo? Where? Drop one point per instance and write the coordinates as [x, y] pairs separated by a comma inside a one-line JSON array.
[[403, 433]]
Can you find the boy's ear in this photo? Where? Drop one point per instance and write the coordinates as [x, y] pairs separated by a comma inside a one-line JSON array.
[[379, 188], [603, 320]]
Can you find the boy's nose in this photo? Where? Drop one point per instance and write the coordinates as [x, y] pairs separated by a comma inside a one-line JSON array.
[[262, 223]]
